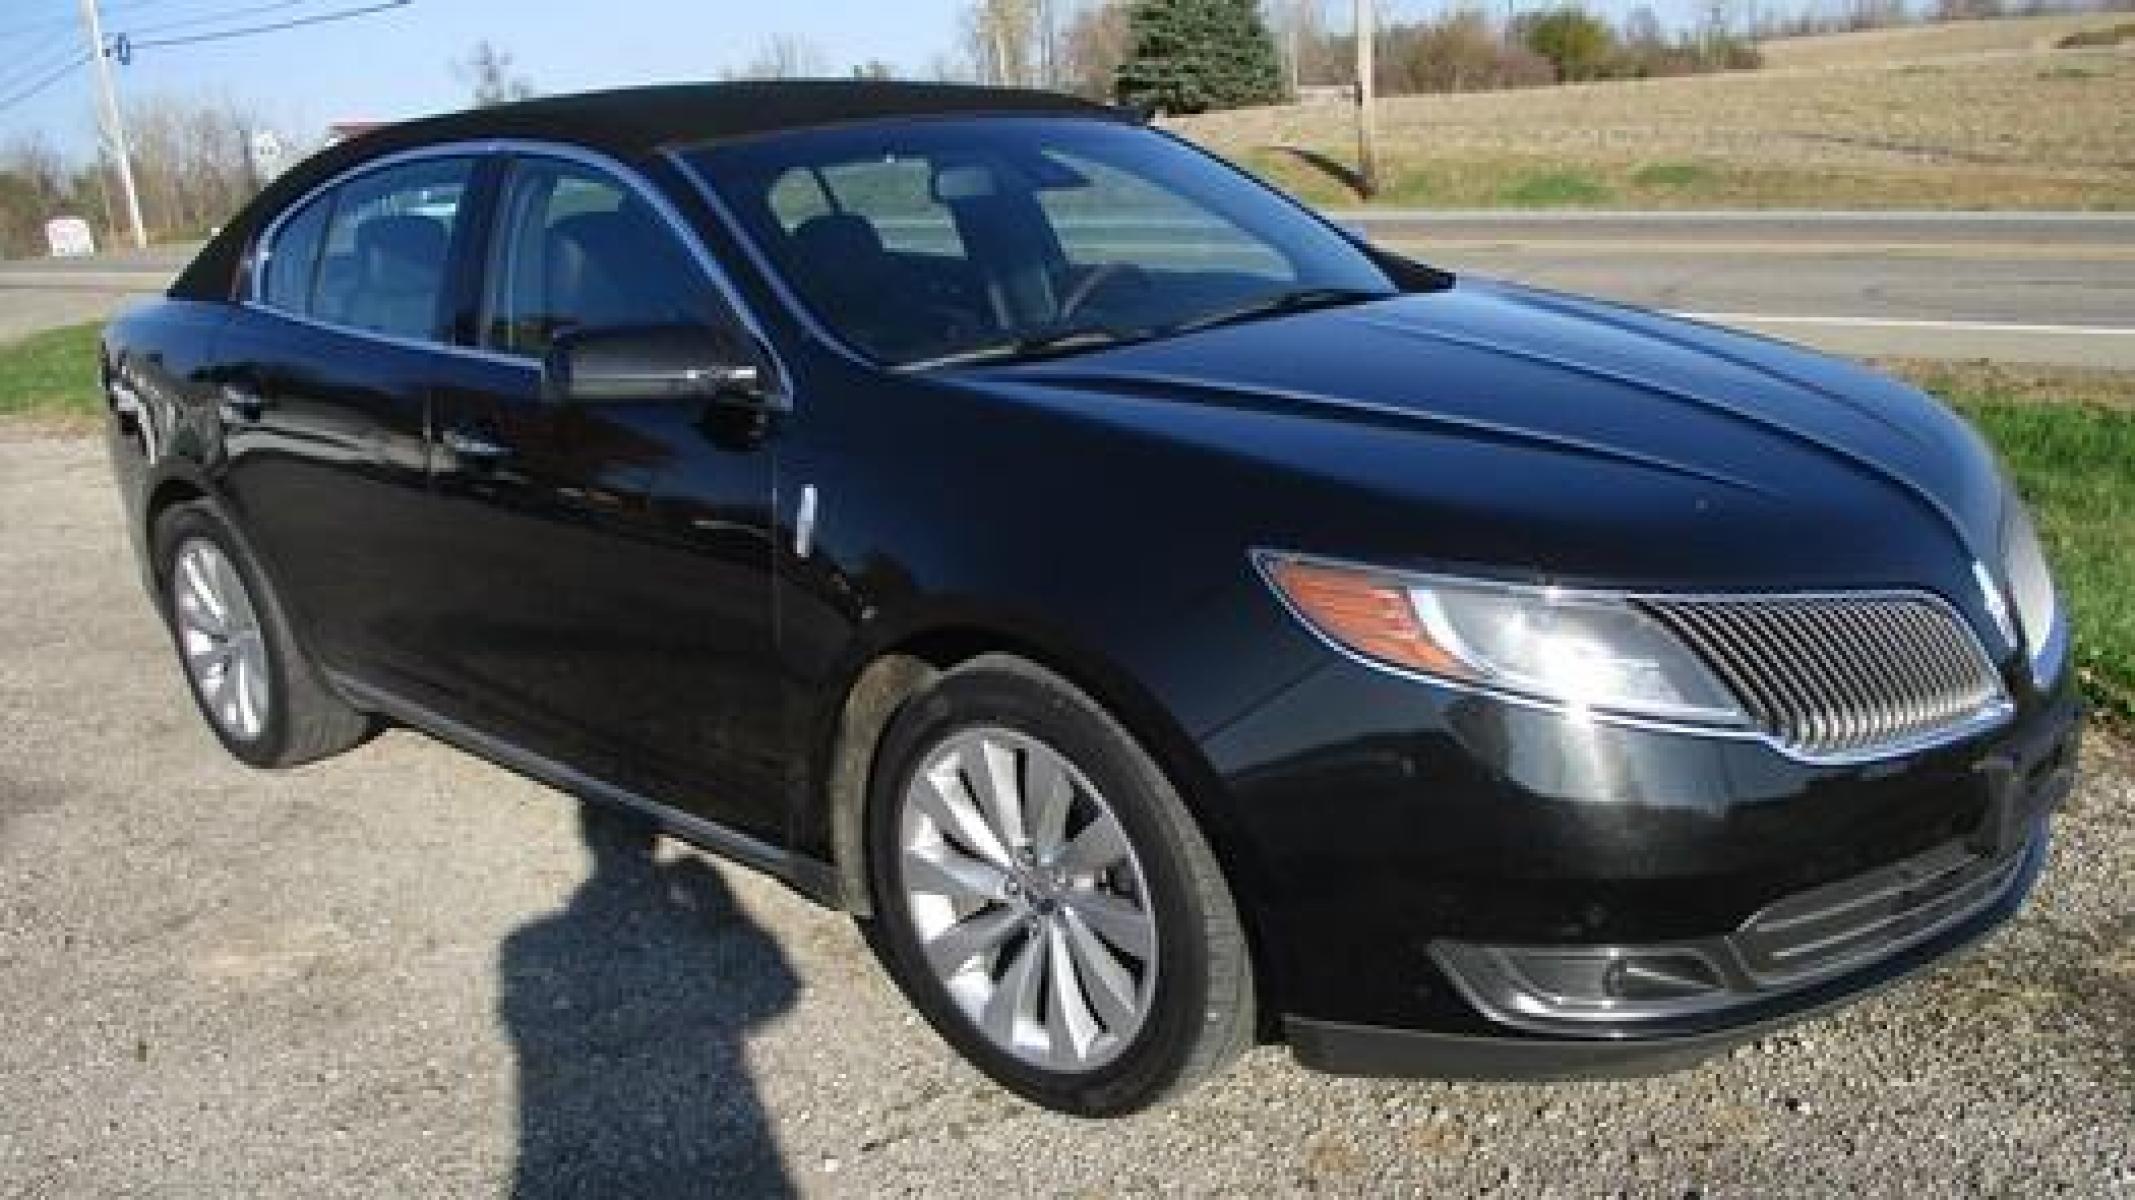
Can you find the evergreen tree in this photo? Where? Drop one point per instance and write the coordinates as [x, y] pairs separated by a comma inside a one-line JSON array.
[[1189, 56]]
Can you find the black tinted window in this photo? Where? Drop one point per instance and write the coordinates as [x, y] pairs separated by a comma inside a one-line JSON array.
[[574, 249], [382, 266], [293, 259], [941, 240]]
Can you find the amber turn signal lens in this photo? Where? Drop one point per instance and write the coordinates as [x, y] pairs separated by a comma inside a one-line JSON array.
[[1366, 613]]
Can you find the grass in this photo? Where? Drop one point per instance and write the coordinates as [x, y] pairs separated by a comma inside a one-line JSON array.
[[2073, 456], [50, 377], [2067, 435], [1556, 189]]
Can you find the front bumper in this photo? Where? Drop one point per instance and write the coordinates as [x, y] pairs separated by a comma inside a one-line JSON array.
[[1630, 1043], [1444, 885]]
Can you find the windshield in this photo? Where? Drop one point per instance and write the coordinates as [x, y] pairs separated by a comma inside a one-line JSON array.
[[970, 239]]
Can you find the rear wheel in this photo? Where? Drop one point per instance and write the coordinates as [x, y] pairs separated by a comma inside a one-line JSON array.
[[253, 684], [1045, 898]]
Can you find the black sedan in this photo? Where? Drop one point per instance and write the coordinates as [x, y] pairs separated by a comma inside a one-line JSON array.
[[1165, 621]]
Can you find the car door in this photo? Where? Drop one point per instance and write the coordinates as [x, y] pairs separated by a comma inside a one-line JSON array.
[[600, 591], [326, 376]]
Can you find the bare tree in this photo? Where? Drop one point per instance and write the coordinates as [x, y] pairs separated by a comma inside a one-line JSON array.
[[1003, 38], [192, 161], [783, 56], [487, 70], [1091, 50]]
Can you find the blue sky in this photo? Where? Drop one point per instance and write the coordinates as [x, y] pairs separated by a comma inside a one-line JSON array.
[[396, 64]]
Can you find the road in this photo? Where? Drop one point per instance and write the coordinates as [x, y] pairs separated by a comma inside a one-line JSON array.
[[2045, 288], [405, 972]]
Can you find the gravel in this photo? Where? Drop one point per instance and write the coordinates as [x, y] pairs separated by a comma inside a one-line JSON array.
[[405, 972]]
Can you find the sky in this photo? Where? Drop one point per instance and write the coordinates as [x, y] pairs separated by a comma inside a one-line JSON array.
[[397, 63]]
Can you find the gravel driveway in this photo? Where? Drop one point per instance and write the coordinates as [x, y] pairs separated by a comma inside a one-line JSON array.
[[405, 972]]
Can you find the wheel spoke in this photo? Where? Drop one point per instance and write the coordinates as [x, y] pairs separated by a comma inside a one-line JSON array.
[[992, 772], [953, 949], [1069, 1026], [1110, 987], [204, 592], [236, 609], [1118, 921], [252, 688], [1014, 1002], [940, 793], [1100, 844], [1050, 795], [944, 870]]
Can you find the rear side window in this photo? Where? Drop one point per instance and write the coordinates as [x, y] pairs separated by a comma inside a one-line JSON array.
[[381, 263], [293, 259]]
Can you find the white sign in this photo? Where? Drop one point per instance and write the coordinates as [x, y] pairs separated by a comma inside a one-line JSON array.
[[69, 237], [266, 154]]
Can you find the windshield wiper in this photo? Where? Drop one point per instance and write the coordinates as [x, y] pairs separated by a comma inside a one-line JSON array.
[[1279, 304], [1030, 346]]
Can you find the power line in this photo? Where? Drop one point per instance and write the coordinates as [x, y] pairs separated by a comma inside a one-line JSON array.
[[44, 81], [209, 17], [218, 35], [69, 23]]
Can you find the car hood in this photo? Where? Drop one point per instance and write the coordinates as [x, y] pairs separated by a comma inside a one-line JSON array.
[[1556, 423]]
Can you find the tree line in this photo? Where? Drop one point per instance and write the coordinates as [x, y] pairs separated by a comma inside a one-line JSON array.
[[192, 167]]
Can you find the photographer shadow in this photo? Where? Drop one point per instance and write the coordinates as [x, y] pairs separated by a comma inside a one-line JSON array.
[[629, 1009]]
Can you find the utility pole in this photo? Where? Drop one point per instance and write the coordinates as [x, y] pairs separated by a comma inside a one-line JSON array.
[[1367, 117], [113, 122]]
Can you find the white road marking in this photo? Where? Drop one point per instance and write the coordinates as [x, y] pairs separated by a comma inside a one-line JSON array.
[[1905, 323]]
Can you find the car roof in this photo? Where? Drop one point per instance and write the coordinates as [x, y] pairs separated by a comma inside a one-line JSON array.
[[625, 123]]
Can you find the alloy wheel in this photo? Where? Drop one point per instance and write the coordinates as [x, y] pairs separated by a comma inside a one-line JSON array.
[[1028, 902], [219, 636]]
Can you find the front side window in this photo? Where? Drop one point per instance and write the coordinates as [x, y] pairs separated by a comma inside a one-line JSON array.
[[382, 262], [955, 239], [575, 250]]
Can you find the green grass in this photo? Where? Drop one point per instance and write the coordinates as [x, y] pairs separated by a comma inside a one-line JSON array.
[[51, 374], [2075, 464], [1674, 175], [1554, 189]]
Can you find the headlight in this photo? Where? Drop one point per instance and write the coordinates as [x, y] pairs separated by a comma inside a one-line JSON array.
[[1574, 648], [2038, 607]]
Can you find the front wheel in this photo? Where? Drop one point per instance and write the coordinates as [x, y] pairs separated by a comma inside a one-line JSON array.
[[1046, 900]]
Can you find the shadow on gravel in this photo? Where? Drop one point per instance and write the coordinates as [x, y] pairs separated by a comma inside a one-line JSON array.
[[629, 1009]]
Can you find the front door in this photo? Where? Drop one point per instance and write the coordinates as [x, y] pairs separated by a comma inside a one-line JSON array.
[[600, 591]]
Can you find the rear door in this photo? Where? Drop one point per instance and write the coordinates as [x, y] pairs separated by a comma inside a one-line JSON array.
[[600, 585], [327, 376]]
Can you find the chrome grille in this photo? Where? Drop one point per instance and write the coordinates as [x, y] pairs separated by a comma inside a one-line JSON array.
[[1841, 675]]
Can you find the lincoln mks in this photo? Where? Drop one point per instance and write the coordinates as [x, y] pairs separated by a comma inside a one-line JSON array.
[[1165, 620]]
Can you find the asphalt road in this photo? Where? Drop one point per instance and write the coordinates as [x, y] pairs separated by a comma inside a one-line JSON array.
[[404, 972], [2018, 287]]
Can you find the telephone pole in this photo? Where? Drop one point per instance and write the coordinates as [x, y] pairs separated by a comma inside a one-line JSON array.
[[112, 120], [1367, 117]]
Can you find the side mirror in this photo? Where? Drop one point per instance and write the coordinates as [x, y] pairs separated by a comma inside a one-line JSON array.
[[656, 362]]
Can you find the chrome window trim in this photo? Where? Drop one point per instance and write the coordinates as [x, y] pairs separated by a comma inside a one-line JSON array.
[[480, 148], [1989, 717]]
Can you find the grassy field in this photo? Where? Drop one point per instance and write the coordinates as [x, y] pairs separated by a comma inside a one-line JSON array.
[[2067, 435], [2008, 129], [50, 378], [1926, 43]]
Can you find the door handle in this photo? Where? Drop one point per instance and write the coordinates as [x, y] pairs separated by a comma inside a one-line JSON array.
[[239, 404], [474, 448]]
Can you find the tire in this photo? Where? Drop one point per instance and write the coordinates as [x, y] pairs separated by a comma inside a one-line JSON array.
[[1168, 1020], [287, 715]]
